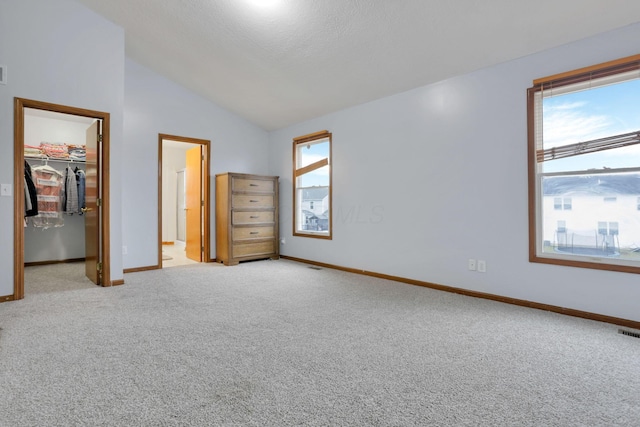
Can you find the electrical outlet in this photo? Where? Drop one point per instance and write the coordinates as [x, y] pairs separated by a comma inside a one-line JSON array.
[[472, 264], [282, 241], [482, 266], [124, 250], [5, 190]]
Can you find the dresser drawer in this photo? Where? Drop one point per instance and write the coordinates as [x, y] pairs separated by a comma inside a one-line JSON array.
[[241, 233], [251, 249], [252, 201], [248, 184], [252, 217]]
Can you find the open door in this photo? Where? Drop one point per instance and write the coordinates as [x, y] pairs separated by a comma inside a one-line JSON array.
[[92, 203], [194, 204], [190, 157], [181, 211]]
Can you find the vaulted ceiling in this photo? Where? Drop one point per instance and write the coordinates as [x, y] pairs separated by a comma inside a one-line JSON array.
[[279, 62]]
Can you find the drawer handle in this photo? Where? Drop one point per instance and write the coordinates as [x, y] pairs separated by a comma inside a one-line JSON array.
[[254, 232], [253, 201], [254, 216], [253, 185]]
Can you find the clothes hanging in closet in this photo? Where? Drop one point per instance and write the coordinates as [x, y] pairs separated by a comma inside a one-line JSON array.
[[49, 185], [70, 192], [30, 195], [81, 181]]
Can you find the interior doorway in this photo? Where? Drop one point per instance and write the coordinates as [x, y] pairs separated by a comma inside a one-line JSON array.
[[184, 200], [95, 221]]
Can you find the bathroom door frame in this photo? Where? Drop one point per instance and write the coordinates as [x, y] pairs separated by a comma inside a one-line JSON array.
[[206, 193]]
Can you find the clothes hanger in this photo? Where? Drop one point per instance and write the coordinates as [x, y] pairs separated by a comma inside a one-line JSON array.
[[47, 168]]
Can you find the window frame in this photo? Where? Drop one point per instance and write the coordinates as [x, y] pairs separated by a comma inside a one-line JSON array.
[[535, 200], [306, 139]]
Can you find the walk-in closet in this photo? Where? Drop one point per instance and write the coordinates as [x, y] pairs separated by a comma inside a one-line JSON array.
[[54, 225]]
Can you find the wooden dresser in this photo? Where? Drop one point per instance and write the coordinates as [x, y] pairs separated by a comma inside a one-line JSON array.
[[246, 217]]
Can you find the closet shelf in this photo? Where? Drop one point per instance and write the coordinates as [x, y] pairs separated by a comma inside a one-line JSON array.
[[53, 159]]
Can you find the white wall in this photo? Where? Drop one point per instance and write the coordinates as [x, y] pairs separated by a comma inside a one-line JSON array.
[[174, 159], [61, 52], [55, 129], [426, 179], [56, 243], [156, 105]]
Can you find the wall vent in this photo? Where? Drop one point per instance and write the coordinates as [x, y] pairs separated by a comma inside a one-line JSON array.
[[629, 333], [3, 74]]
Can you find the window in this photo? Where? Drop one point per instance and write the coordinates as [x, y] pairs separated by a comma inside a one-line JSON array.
[[560, 203], [584, 157], [562, 227], [312, 185]]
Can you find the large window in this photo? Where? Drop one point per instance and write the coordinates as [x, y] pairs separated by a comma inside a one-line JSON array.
[[312, 185], [584, 167]]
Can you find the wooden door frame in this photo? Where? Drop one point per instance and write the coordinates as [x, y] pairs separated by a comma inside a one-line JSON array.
[[18, 184], [206, 222]]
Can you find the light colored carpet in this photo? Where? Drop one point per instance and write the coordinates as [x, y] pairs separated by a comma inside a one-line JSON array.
[[275, 343]]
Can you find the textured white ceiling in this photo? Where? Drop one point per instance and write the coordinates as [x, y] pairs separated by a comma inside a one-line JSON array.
[[300, 59]]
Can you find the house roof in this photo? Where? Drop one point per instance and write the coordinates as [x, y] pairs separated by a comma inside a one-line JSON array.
[[315, 193], [308, 213], [282, 62], [622, 184]]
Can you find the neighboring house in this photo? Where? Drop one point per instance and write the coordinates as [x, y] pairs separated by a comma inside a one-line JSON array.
[[315, 208], [599, 212]]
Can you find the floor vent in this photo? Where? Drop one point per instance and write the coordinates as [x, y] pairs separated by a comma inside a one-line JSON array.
[[315, 268], [629, 333]]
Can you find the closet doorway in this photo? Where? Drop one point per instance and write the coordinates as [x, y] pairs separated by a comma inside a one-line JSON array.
[[184, 200], [33, 120]]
